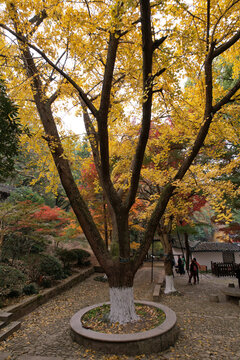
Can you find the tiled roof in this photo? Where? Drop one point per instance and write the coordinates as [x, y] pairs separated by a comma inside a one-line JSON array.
[[215, 246], [198, 246], [181, 244]]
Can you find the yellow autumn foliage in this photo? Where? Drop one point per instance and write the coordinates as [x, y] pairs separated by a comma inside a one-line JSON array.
[[75, 37]]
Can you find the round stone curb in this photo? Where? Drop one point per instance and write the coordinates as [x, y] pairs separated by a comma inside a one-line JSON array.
[[145, 342]]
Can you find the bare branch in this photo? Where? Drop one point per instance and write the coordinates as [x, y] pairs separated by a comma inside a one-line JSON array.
[[89, 13], [157, 91], [189, 12], [50, 78], [208, 25], [37, 20], [53, 97], [160, 72], [158, 42], [66, 76], [222, 15], [108, 76], [227, 98], [218, 51], [103, 119], [92, 136], [39, 17], [147, 45], [62, 164]]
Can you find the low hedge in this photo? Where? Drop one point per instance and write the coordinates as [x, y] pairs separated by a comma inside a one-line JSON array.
[[11, 281]]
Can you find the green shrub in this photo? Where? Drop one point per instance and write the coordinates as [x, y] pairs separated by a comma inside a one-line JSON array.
[[25, 193], [17, 245], [41, 265], [67, 272], [12, 247], [32, 266], [30, 289], [68, 257], [14, 293], [38, 246], [50, 266], [11, 281], [87, 263], [82, 255], [46, 282]]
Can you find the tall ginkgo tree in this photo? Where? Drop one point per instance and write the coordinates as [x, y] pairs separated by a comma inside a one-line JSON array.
[[120, 63]]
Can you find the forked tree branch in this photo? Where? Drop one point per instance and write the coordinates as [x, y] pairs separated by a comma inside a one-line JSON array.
[[227, 98], [210, 110], [218, 51], [102, 120], [147, 46], [37, 20], [62, 164]]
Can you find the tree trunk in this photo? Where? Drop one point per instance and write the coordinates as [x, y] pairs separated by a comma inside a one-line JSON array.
[[187, 251], [120, 270], [105, 223], [121, 292], [114, 246], [122, 305], [168, 263], [164, 232], [121, 275]]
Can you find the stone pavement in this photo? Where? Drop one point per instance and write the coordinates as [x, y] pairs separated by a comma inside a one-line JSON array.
[[207, 330]]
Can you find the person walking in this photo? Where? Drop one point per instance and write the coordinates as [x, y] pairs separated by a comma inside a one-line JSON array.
[[198, 267], [180, 266], [193, 272], [184, 263]]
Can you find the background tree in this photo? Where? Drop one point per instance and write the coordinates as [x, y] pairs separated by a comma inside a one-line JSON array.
[[10, 131], [103, 69], [28, 227]]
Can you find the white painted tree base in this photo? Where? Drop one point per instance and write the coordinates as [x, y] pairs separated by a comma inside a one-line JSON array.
[[169, 288], [122, 306]]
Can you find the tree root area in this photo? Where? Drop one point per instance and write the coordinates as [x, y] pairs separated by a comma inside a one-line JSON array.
[[97, 320]]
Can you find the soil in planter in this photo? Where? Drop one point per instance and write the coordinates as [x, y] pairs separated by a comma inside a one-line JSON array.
[[97, 320]]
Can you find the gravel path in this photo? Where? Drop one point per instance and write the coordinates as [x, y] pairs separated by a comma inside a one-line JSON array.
[[207, 330]]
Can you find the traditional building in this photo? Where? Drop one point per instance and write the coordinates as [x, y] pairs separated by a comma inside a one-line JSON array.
[[207, 252]]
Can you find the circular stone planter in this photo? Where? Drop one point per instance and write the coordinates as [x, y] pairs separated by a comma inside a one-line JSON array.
[[155, 340]]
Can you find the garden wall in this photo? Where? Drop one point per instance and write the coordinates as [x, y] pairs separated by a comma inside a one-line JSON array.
[[32, 302]]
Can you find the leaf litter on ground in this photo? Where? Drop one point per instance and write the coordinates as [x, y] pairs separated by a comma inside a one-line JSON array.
[[97, 320]]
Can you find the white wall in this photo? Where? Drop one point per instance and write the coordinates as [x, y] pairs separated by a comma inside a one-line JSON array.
[[205, 258], [237, 257], [177, 252]]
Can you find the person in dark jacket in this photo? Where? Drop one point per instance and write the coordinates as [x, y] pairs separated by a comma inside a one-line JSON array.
[[193, 271], [180, 266], [198, 268]]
